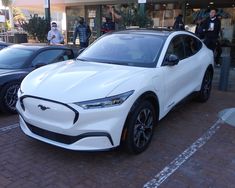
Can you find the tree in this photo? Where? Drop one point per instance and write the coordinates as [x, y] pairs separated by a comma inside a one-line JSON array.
[[37, 27], [19, 17]]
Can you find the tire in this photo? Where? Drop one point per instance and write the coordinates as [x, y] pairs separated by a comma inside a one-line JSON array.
[[8, 97], [140, 127], [205, 91]]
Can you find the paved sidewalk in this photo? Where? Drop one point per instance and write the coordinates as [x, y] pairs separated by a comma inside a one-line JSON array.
[[231, 82], [27, 163], [212, 166]]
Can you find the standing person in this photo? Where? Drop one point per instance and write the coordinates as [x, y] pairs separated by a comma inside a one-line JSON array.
[[83, 31], [199, 28], [54, 36], [108, 26], [211, 28], [179, 24]]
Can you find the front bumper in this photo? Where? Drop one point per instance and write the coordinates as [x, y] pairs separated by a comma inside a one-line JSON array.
[[95, 129]]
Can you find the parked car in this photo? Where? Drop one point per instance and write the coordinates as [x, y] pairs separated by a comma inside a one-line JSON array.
[[116, 91], [17, 61], [4, 45]]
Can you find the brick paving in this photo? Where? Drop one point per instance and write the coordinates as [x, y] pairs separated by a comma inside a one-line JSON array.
[[231, 79], [7, 119], [25, 162], [212, 166]]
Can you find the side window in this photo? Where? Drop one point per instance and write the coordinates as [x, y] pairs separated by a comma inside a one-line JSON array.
[[199, 44], [49, 56], [68, 54], [192, 45], [176, 47]]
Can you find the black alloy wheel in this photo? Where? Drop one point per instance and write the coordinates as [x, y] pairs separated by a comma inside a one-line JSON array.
[[8, 97], [204, 93], [140, 127]]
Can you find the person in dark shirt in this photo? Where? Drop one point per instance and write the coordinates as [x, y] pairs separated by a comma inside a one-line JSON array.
[[211, 28], [179, 24], [83, 31], [199, 28], [108, 26]]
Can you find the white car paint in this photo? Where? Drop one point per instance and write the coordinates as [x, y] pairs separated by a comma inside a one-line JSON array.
[[75, 81]]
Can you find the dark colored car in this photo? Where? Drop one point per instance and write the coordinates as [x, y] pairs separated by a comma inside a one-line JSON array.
[[17, 61], [4, 45]]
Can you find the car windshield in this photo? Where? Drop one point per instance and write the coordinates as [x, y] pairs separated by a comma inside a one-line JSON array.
[[125, 49], [14, 58]]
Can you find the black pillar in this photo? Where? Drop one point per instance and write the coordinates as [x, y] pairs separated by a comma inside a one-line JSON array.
[[224, 72], [98, 20], [183, 8], [48, 13]]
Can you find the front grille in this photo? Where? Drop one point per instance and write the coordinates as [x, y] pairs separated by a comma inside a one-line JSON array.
[[66, 139], [22, 103], [53, 136]]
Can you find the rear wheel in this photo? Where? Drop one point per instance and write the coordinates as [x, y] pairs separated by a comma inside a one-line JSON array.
[[204, 93], [140, 126], [8, 97]]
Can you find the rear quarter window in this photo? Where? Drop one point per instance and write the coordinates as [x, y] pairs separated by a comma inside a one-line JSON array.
[[192, 45]]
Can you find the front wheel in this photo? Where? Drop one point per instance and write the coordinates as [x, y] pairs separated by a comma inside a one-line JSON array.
[[204, 93], [8, 97], [140, 126]]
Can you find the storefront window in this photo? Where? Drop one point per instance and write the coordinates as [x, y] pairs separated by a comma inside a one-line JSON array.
[[122, 16], [227, 16], [163, 14], [92, 20], [73, 14], [111, 18]]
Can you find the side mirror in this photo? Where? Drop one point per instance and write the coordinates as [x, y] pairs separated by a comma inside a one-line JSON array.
[[172, 60]]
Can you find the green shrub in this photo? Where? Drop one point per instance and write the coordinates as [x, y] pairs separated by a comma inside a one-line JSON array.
[[37, 27]]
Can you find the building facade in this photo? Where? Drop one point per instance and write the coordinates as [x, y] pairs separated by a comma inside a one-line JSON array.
[[157, 13], [129, 13], [121, 15]]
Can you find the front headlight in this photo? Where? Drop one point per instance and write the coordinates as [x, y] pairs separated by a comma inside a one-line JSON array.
[[105, 102]]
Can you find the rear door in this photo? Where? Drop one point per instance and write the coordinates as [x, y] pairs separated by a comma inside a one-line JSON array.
[[196, 58]]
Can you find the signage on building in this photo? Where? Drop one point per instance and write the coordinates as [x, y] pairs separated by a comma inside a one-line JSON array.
[[2, 18], [142, 1]]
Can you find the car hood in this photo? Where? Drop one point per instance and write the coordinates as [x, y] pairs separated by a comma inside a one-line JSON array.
[[75, 81]]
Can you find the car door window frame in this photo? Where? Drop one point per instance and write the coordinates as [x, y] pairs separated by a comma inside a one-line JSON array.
[[56, 59], [166, 54], [187, 46]]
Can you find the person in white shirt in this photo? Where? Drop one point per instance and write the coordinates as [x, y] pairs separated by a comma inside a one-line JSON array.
[[54, 35]]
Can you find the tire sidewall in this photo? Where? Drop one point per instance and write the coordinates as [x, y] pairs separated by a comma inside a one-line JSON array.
[[3, 106], [130, 124], [202, 97]]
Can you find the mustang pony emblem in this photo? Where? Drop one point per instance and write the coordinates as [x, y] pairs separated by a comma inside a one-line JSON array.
[[43, 108]]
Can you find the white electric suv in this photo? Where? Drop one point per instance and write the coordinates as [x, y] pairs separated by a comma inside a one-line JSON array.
[[116, 91]]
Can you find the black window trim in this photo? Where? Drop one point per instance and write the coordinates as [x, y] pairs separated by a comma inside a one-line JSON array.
[[181, 36], [198, 42], [37, 52]]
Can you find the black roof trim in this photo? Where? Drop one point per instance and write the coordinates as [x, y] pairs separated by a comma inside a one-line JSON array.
[[153, 31]]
